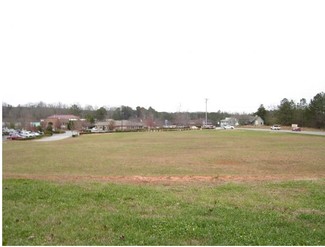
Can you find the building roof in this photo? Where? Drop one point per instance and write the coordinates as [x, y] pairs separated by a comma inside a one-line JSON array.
[[119, 123], [66, 117]]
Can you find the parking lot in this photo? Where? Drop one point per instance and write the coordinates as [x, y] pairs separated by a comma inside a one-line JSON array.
[[54, 137]]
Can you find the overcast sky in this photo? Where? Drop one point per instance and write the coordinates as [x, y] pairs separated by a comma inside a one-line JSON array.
[[170, 55]]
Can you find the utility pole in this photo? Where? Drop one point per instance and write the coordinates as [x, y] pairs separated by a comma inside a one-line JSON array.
[[121, 109], [206, 111]]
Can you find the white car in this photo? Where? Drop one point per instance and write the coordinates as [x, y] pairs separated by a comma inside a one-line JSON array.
[[26, 134], [228, 127], [276, 127]]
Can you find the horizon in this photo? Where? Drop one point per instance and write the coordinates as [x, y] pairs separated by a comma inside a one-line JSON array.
[[108, 106]]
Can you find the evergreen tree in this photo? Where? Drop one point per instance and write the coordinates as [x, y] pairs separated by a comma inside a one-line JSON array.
[[101, 113], [285, 112], [261, 112], [316, 111]]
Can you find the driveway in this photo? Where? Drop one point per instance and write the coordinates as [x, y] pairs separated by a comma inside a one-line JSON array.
[[55, 137]]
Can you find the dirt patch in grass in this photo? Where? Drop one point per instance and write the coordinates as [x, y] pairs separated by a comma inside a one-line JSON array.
[[160, 179]]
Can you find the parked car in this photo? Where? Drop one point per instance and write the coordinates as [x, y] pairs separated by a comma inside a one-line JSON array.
[[208, 126], [26, 134], [228, 127], [15, 136], [276, 127]]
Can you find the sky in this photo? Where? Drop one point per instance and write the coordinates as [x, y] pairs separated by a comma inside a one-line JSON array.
[[168, 54]]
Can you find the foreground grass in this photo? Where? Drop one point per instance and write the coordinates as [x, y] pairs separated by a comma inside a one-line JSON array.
[[53, 213]]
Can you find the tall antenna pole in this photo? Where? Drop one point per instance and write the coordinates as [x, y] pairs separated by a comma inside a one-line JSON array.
[[206, 111]]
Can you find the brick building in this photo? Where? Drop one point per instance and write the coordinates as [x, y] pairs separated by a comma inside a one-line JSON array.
[[59, 121]]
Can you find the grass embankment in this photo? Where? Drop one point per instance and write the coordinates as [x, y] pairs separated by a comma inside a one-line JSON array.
[[47, 213], [83, 212]]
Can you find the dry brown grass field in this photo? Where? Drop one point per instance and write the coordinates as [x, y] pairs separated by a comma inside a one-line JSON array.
[[182, 156]]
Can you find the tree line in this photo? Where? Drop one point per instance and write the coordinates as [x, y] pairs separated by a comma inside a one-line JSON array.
[[305, 114], [24, 114], [301, 113]]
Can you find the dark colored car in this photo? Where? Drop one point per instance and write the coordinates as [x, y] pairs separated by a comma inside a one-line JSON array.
[[15, 137]]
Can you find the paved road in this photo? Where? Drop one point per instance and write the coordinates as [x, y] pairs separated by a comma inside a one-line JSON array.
[[321, 133]]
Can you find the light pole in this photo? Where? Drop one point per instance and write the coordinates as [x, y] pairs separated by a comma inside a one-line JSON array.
[[206, 111]]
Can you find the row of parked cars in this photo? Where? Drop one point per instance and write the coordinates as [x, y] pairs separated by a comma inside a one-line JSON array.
[[21, 134]]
